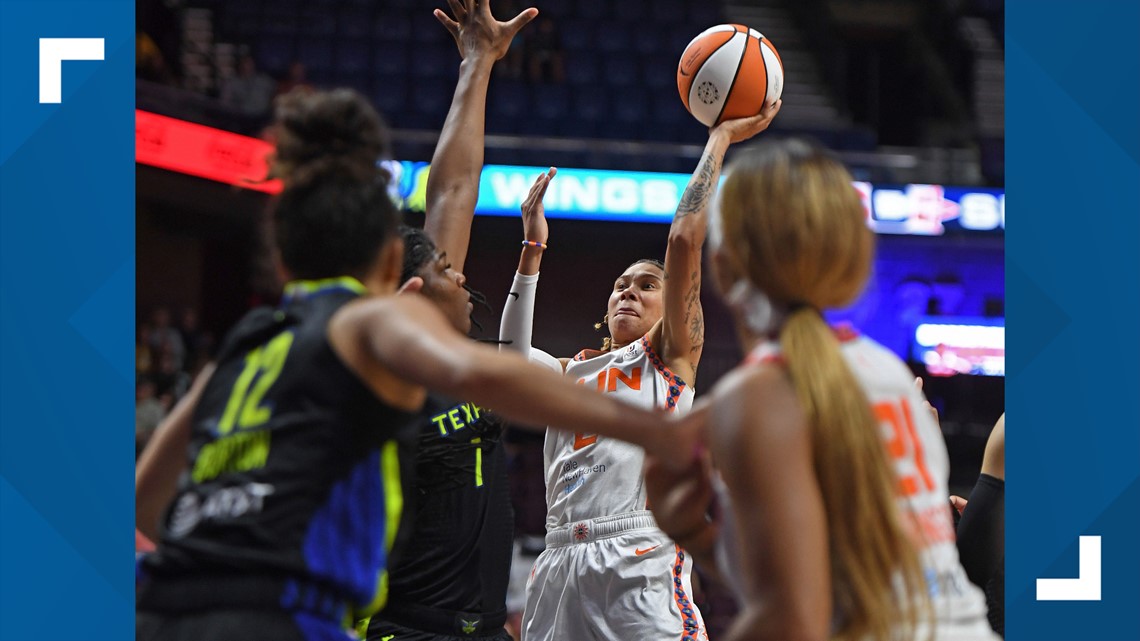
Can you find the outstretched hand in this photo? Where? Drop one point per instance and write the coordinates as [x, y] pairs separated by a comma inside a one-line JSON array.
[[476, 31], [741, 129], [533, 214]]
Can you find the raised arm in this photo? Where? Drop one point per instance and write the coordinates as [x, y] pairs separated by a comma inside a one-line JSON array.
[[517, 326], [453, 180], [683, 324]]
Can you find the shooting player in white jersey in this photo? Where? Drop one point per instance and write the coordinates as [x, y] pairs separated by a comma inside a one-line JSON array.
[[608, 572], [832, 476]]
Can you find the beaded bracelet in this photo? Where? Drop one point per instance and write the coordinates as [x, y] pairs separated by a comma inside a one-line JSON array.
[[531, 243]]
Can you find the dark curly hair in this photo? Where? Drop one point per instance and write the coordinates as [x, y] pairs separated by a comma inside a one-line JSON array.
[[334, 213]]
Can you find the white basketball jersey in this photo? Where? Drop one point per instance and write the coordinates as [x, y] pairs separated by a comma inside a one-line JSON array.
[[590, 476], [915, 446]]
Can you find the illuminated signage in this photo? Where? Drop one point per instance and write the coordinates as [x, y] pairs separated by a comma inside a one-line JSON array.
[[202, 151], [948, 346], [583, 194]]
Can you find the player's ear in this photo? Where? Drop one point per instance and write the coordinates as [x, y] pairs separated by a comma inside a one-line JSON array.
[[414, 284]]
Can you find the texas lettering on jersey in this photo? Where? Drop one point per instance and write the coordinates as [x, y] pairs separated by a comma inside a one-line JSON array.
[[457, 418]]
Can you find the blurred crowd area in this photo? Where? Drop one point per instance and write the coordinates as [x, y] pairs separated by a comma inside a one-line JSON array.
[[872, 79], [169, 351]]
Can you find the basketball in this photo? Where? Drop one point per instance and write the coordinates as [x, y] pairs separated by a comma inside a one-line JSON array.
[[729, 71]]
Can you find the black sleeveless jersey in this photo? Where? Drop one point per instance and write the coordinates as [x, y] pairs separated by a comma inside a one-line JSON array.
[[458, 556], [295, 466]]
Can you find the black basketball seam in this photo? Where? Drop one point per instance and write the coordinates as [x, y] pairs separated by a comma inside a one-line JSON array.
[[698, 71], [735, 75], [764, 64]]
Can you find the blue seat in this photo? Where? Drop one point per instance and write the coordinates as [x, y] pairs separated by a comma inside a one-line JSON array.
[[666, 108], [317, 22], [659, 71], [284, 23], [240, 19], [590, 105], [274, 53], [550, 102], [581, 68], [632, 11], [390, 58], [577, 34], [360, 81], [431, 61], [556, 9], [425, 28], [352, 57], [631, 105], [612, 37], [679, 37], [390, 95], [354, 22], [429, 100], [592, 9], [668, 12], [390, 26], [702, 15], [508, 98], [649, 39], [621, 71], [316, 54]]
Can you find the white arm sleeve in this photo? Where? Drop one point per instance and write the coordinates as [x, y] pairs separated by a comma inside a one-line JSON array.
[[517, 325]]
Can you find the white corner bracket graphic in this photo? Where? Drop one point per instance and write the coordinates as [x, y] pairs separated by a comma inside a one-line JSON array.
[[53, 51], [1086, 587]]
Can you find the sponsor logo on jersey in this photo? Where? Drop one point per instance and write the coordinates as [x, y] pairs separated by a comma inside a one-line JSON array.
[[225, 504]]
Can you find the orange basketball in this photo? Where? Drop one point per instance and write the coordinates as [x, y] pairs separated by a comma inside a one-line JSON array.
[[729, 71]]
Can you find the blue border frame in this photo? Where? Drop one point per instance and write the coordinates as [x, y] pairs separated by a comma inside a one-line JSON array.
[[1073, 289], [67, 301]]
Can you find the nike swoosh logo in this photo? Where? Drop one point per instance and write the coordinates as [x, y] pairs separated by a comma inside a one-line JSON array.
[[515, 294], [387, 638], [641, 552]]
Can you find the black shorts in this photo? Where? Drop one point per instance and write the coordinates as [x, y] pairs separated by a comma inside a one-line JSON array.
[[236, 625], [386, 631]]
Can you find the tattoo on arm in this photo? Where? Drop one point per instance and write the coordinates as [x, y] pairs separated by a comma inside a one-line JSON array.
[[696, 196], [694, 315]]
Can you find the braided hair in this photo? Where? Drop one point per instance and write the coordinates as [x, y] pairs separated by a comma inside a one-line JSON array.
[[419, 251]]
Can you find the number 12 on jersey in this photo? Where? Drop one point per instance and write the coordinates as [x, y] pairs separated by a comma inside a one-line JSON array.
[[262, 367]]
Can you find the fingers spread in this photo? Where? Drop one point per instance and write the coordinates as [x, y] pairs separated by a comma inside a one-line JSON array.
[[520, 21], [447, 22]]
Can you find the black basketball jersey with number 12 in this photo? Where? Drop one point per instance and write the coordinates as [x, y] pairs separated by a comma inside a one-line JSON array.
[[295, 470]]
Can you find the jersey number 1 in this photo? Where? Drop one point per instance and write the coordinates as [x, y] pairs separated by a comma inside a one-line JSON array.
[[262, 367]]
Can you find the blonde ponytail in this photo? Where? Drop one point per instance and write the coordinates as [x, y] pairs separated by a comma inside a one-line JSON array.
[[868, 545]]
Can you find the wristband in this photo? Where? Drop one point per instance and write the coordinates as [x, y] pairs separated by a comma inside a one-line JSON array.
[[531, 243]]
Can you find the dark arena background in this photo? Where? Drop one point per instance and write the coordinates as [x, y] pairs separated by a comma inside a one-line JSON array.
[[908, 93]]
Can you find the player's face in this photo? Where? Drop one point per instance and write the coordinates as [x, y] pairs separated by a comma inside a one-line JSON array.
[[636, 302], [444, 287]]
